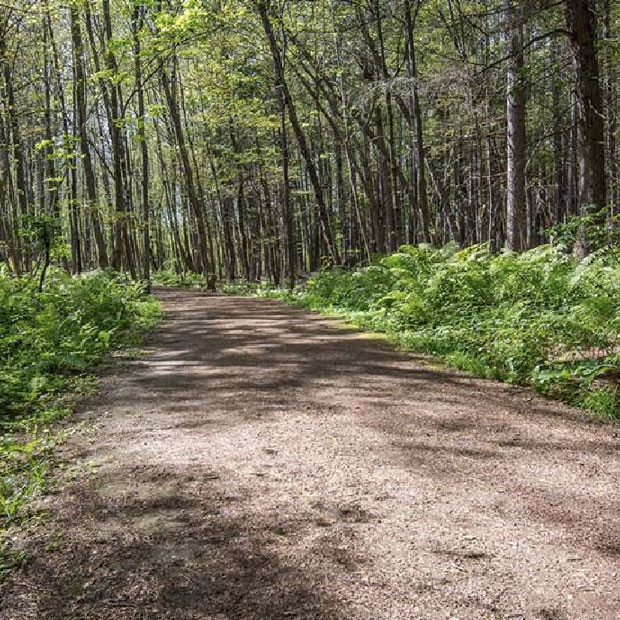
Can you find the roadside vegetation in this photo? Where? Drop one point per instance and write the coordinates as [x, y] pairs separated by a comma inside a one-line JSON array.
[[49, 343], [540, 318], [168, 276]]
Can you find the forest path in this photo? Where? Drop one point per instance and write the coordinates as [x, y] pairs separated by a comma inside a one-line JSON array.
[[264, 463]]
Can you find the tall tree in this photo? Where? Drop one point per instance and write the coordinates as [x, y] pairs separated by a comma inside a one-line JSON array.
[[82, 124], [582, 25], [136, 25], [264, 12], [515, 141]]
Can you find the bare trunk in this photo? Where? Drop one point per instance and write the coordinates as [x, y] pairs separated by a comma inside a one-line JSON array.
[[581, 22], [81, 117], [515, 148], [144, 151]]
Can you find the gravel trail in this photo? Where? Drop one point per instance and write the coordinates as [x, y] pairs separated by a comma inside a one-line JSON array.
[[260, 462]]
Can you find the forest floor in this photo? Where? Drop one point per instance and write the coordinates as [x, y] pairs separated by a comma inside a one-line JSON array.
[[259, 462]]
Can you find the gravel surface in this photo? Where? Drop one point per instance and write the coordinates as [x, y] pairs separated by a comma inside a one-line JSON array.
[[263, 463]]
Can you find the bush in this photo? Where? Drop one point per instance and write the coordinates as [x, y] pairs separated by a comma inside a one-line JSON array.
[[45, 338], [47, 342], [538, 318], [171, 277]]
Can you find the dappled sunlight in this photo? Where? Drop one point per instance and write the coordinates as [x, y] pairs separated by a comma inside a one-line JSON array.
[[260, 463]]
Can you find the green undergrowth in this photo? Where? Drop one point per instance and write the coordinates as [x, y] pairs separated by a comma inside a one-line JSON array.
[[49, 344], [175, 279], [539, 318]]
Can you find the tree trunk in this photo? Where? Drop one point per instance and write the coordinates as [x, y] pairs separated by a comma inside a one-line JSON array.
[[581, 22], [137, 18], [515, 148], [418, 131], [194, 200], [299, 133], [87, 164], [114, 125]]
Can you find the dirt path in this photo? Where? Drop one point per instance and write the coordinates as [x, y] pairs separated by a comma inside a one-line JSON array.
[[265, 463]]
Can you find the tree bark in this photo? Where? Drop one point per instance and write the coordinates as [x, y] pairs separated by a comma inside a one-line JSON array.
[[136, 23], [581, 22], [515, 148], [87, 163]]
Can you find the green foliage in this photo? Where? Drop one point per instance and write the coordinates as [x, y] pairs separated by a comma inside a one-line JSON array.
[[600, 231], [252, 289], [604, 401], [538, 318], [171, 277], [45, 338], [48, 341]]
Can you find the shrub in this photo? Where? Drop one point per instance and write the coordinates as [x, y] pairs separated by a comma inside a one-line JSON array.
[[538, 318], [171, 277], [47, 341], [47, 337]]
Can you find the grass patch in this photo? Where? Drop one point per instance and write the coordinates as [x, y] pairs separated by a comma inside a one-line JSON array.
[[604, 401]]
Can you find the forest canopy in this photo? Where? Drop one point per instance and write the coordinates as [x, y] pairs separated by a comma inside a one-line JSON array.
[[260, 139]]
